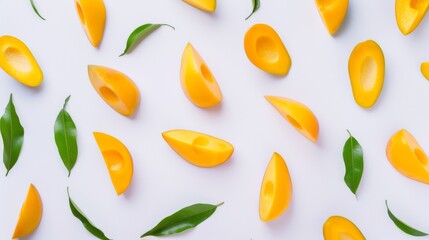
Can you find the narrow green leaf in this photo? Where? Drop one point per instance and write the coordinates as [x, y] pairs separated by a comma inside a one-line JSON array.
[[256, 4], [139, 34], [403, 226], [186, 218], [86, 223], [65, 137], [353, 159], [12, 133], [35, 10]]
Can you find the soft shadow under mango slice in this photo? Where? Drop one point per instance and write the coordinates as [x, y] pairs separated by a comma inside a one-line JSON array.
[[340, 228], [205, 5], [265, 50], [18, 61], [92, 15], [333, 13], [30, 215], [366, 71], [409, 14]]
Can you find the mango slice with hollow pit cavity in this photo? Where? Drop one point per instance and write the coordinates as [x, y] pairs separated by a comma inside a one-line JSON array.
[[30, 215], [18, 61], [205, 5], [118, 161], [265, 50], [340, 228], [298, 115], [199, 149], [276, 190], [366, 71], [407, 157], [409, 14], [92, 15], [115, 88], [425, 69], [333, 13], [198, 82]]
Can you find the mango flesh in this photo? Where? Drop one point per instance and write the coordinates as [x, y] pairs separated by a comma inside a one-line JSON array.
[[407, 157], [366, 71], [409, 14], [30, 215], [333, 13], [92, 15], [199, 149], [205, 5], [265, 50], [115, 88], [198, 82], [425, 69], [18, 61], [340, 228], [298, 115], [276, 190]]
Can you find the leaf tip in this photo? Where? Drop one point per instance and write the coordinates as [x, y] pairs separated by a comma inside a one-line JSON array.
[[122, 54], [220, 204]]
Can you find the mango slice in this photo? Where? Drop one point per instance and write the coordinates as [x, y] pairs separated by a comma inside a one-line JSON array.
[[116, 89], [276, 189], [18, 61], [265, 50], [298, 115], [205, 5], [198, 82], [30, 215], [199, 149], [409, 14], [340, 228], [407, 157], [425, 70], [118, 161], [92, 15], [332, 13], [366, 71]]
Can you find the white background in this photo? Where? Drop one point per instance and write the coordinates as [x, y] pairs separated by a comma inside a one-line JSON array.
[[163, 182]]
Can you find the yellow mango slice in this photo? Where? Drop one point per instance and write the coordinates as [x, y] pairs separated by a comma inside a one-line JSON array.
[[340, 228], [407, 157], [205, 5], [118, 161], [332, 13], [18, 61], [265, 50], [298, 115], [197, 80], [409, 14], [30, 215], [366, 71], [116, 89], [276, 189], [92, 15], [425, 70], [199, 149]]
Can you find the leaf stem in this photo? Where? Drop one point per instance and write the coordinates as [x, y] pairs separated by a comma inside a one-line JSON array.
[[220, 204]]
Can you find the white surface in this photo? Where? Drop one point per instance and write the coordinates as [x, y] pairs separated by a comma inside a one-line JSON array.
[[163, 182]]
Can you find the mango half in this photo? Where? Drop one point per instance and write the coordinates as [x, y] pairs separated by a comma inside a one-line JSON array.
[[425, 69], [407, 157], [30, 215], [332, 13], [205, 5], [92, 15], [409, 14], [18, 61], [340, 228]]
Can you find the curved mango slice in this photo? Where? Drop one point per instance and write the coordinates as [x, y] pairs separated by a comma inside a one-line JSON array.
[[366, 71], [276, 189], [205, 5], [265, 50], [409, 14], [198, 82], [406, 155], [425, 70], [332, 13], [340, 228], [92, 15], [199, 149], [18, 61], [30, 215], [118, 161], [116, 89], [297, 114]]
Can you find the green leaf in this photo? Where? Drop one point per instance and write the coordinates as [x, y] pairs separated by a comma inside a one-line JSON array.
[[186, 218], [86, 223], [139, 34], [35, 10], [353, 159], [65, 137], [256, 5], [12, 133], [403, 226]]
